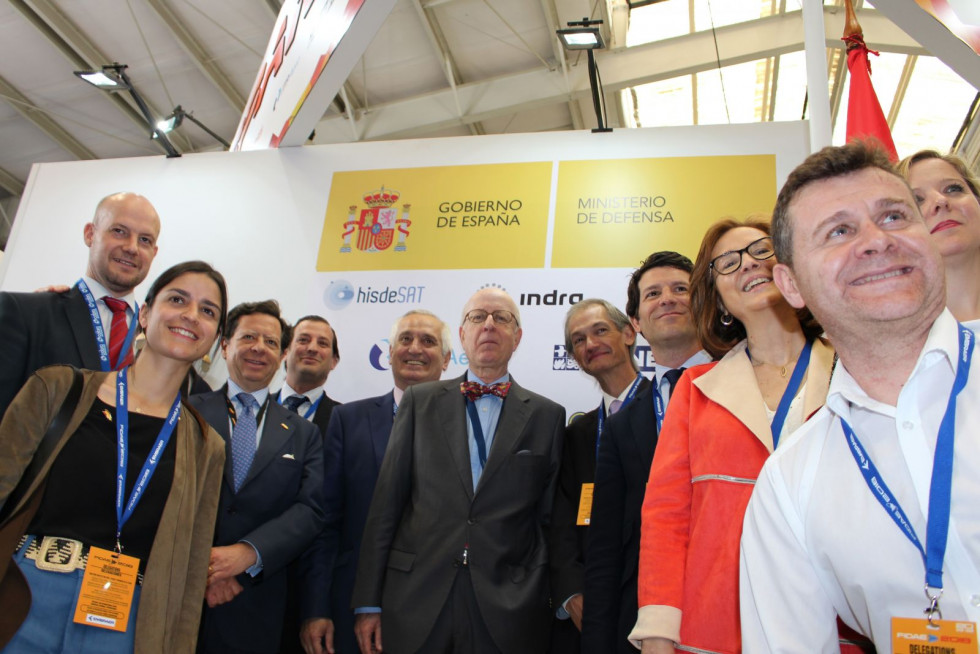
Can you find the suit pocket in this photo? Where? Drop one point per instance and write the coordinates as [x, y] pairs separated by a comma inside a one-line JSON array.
[[403, 561]]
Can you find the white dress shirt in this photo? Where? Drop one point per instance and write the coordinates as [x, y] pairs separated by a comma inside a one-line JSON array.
[[816, 542]]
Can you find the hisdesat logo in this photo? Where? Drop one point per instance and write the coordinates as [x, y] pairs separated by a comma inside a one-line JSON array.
[[341, 293]]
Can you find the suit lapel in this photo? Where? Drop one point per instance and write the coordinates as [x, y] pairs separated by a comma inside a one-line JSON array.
[[213, 407], [452, 408], [381, 422], [643, 422], [80, 320], [278, 427], [510, 427]]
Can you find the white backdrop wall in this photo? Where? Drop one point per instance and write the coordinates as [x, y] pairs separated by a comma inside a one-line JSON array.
[[259, 217]]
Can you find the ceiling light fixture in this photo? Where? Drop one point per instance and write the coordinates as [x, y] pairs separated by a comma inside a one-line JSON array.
[[176, 119], [113, 78], [584, 35]]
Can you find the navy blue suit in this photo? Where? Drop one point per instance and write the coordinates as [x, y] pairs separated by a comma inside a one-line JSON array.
[[278, 509], [355, 444], [612, 554], [42, 329]]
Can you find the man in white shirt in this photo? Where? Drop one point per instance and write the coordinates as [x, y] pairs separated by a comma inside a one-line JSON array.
[[831, 523], [77, 326]]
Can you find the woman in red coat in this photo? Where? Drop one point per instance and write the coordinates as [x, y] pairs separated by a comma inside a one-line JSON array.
[[723, 421]]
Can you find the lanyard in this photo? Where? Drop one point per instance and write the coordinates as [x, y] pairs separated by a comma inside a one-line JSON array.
[[313, 405], [233, 415], [149, 466], [100, 340], [792, 388], [940, 489], [481, 443], [602, 413]]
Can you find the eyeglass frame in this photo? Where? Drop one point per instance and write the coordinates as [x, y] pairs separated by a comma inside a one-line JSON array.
[[492, 314], [740, 252]]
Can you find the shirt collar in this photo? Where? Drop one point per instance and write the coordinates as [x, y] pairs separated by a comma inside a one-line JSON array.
[[941, 348], [607, 399], [99, 291], [310, 395], [398, 393], [696, 359], [473, 378], [259, 395]]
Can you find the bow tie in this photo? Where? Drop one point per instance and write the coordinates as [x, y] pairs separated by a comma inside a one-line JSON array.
[[475, 390]]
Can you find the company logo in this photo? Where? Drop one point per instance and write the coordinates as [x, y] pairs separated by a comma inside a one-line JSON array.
[[550, 299], [644, 358], [378, 356], [562, 360], [339, 294], [377, 224]]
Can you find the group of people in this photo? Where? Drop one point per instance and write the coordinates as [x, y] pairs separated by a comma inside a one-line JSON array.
[[736, 501]]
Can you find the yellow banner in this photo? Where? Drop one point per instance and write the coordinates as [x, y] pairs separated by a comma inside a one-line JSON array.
[[438, 218], [614, 213]]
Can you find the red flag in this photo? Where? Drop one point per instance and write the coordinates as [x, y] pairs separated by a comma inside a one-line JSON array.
[[865, 120]]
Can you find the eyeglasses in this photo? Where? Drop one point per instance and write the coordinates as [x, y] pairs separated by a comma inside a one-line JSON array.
[[500, 317], [729, 262]]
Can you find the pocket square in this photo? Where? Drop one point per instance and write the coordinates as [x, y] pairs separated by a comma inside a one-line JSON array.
[[288, 456], [522, 453]]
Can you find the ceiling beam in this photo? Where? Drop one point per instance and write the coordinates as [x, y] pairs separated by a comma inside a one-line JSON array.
[[82, 53], [198, 54], [651, 62], [550, 12], [437, 39], [903, 87], [11, 183], [23, 105]]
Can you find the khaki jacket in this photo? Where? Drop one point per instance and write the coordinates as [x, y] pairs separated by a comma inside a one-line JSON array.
[[176, 573]]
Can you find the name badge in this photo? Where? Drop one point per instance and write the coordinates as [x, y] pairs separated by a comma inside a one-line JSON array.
[[585, 506], [107, 590], [918, 636]]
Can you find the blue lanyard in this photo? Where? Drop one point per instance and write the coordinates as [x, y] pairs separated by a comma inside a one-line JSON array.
[[481, 443], [149, 466], [940, 489], [791, 389], [602, 412], [313, 405], [100, 340]]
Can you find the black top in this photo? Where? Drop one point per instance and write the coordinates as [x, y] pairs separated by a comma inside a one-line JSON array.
[[79, 499]]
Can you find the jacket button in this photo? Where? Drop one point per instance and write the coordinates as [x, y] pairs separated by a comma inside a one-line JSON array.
[[471, 522]]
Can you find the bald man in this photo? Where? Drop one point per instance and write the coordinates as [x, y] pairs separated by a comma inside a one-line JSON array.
[[90, 325], [454, 556]]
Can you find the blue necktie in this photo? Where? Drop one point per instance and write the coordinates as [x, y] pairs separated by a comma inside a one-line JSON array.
[[294, 402], [243, 439]]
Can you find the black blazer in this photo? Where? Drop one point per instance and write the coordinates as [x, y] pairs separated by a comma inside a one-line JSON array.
[[613, 548], [425, 511], [278, 509], [322, 416], [568, 540], [354, 448], [42, 329]]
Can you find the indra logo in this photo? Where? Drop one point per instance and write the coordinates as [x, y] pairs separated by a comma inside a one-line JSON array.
[[339, 294], [550, 299]]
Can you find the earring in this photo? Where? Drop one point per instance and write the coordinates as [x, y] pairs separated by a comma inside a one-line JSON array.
[[726, 319]]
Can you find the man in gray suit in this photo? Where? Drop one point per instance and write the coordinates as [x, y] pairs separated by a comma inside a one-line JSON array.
[[454, 552]]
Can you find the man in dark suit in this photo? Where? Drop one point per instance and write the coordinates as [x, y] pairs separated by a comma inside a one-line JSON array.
[[419, 350], [41, 329], [658, 304], [311, 354], [600, 338], [271, 495], [455, 551]]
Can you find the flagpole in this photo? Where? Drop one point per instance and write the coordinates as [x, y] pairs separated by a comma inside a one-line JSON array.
[[818, 94]]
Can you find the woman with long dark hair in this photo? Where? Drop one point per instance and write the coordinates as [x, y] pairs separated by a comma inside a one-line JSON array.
[[110, 489]]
